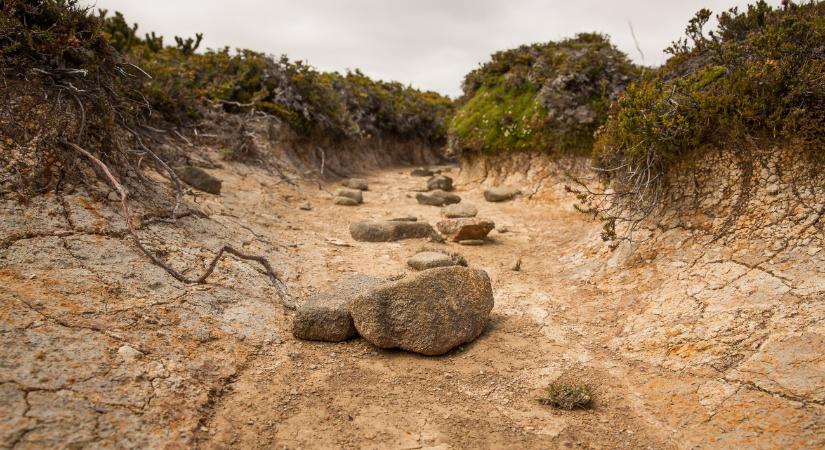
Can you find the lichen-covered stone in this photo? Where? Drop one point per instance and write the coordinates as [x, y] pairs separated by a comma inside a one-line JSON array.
[[325, 316], [430, 312], [389, 230]]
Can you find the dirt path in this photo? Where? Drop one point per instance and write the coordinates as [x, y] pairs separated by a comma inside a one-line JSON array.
[[101, 348], [547, 323]]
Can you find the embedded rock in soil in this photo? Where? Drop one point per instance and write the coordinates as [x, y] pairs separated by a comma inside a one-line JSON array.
[[199, 179], [422, 172], [430, 260], [442, 182], [345, 201], [430, 312], [350, 193], [405, 219], [325, 316], [437, 198], [467, 229], [500, 194], [459, 211], [388, 231], [356, 183]]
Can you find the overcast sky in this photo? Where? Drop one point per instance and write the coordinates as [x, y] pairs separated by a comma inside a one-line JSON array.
[[430, 44]]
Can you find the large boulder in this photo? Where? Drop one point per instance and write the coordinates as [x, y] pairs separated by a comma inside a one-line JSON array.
[[459, 211], [467, 229], [422, 172], [199, 179], [500, 194], [325, 316], [430, 312], [437, 198], [442, 182], [356, 183], [389, 230], [350, 193]]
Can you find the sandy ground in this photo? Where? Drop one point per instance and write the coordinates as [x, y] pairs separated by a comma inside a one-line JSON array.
[[217, 366]]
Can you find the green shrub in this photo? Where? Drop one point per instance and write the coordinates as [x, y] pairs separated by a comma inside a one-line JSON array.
[[758, 78], [568, 396], [543, 97]]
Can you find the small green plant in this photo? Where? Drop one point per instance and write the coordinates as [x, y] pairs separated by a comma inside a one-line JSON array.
[[568, 396]]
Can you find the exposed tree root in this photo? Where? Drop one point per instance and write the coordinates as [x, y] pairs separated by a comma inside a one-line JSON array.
[[286, 298]]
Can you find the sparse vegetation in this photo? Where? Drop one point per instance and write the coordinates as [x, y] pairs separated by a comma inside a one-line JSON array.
[[755, 81], [542, 97], [568, 396]]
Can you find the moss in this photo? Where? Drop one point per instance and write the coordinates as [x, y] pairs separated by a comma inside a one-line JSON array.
[[543, 97], [758, 78]]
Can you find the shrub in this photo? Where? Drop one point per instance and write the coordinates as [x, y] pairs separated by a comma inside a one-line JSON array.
[[544, 97], [757, 78]]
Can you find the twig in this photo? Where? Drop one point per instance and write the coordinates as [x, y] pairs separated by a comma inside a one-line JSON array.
[[286, 298]]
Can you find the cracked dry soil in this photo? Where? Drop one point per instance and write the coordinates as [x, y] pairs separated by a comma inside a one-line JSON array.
[[102, 349]]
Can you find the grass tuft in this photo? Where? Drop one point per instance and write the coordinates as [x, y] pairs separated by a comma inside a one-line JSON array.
[[568, 396]]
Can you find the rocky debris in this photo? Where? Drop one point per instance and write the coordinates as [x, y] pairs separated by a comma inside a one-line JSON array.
[[199, 179], [345, 201], [437, 198], [430, 312], [466, 229], [442, 182], [325, 316], [422, 172], [350, 193], [459, 210], [501, 194], [356, 183], [389, 231], [405, 219]]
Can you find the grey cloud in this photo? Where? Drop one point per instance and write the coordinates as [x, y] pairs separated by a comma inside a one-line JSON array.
[[430, 44]]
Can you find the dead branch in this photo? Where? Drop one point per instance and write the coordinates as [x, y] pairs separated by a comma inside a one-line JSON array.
[[286, 298], [172, 174]]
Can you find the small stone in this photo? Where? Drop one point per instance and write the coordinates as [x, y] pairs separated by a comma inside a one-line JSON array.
[[356, 183], [350, 193], [422, 172], [306, 207], [437, 198], [345, 201], [772, 189], [441, 182], [388, 231], [199, 179], [325, 316], [503, 229], [430, 260], [500, 194], [472, 242], [459, 210], [405, 219], [467, 229]]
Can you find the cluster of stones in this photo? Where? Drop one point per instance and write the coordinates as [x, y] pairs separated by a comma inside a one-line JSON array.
[[351, 194], [429, 312], [443, 305]]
